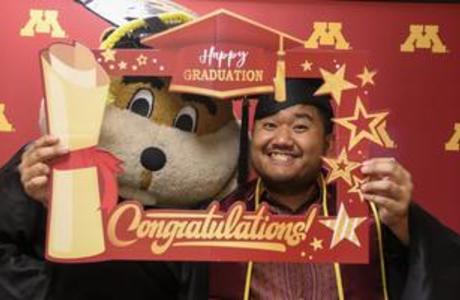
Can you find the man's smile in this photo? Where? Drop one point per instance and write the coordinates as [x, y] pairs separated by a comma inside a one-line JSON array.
[[282, 157]]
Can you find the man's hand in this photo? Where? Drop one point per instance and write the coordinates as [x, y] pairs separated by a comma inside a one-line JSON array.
[[34, 167], [390, 188]]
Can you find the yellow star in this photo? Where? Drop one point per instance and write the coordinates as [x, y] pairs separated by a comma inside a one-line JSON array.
[[109, 55], [316, 244], [367, 77], [122, 65], [306, 66], [344, 227], [372, 122], [356, 188], [141, 60], [340, 167], [334, 84], [387, 141]]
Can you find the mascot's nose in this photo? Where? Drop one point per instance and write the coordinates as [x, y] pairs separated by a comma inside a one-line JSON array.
[[153, 159]]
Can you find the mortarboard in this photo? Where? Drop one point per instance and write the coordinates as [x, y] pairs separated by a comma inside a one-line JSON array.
[[298, 91]]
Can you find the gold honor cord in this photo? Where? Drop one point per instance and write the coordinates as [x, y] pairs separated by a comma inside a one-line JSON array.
[[380, 242], [247, 286], [382, 258], [338, 273]]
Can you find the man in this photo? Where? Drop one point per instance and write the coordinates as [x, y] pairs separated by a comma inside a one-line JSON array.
[[288, 142]]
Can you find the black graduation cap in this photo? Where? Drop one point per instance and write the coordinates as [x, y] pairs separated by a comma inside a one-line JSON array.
[[298, 91]]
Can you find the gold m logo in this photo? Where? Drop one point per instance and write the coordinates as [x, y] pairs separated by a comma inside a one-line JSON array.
[[43, 21], [5, 126], [424, 37], [327, 34], [454, 142]]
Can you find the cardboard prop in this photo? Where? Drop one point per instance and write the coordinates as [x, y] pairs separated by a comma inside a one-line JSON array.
[[223, 55]]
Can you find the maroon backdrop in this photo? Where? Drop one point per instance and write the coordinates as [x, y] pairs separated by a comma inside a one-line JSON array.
[[419, 87]]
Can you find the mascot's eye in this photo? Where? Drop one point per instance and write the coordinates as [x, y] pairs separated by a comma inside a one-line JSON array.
[[186, 119], [142, 103]]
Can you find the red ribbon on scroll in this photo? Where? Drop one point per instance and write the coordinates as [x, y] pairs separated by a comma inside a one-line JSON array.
[[108, 166]]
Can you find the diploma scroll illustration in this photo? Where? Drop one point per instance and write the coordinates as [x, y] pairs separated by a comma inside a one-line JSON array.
[[76, 90]]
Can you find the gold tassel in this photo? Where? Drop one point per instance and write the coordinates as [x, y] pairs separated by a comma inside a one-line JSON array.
[[280, 77]]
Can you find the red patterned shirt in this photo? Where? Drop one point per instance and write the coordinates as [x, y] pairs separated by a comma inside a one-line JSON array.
[[292, 280]]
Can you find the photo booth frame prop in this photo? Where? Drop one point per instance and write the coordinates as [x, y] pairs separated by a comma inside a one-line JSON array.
[[227, 56]]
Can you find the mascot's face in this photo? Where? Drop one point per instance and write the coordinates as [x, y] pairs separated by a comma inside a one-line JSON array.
[[177, 149]]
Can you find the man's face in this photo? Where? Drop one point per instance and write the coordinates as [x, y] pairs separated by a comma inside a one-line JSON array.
[[287, 147]]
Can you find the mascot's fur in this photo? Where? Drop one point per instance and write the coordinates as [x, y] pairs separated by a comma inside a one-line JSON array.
[[178, 150]]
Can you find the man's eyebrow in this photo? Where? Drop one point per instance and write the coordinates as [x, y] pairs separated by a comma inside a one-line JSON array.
[[303, 116]]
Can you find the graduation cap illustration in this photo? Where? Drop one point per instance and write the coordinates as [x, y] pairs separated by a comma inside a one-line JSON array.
[[225, 55]]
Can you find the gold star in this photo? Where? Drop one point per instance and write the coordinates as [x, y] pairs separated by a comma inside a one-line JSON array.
[[387, 141], [372, 122], [334, 84], [306, 66], [316, 244], [367, 77], [356, 188], [141, 60], [122, 65], [340, 167], [344, 227], [109, 55]]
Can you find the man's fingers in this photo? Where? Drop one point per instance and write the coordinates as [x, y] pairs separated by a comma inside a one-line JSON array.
[[46, 140], [39, 169], [382, 201], [43, 154], [43, 141], [36, 184], [382, 187], [384, 167]]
